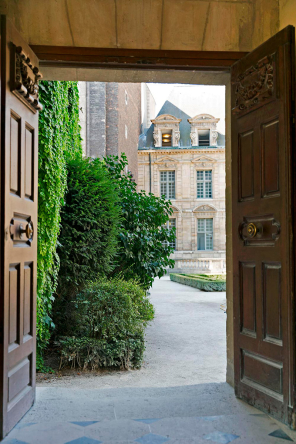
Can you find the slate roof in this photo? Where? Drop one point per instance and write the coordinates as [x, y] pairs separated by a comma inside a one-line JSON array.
[[146, 138]]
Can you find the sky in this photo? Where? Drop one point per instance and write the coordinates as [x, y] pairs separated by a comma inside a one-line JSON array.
[[160, 92], [192, 99]]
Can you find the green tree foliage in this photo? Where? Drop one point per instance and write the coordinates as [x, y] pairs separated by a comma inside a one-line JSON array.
[[59, 138], [144, 240], [107, 325], [88, 239]]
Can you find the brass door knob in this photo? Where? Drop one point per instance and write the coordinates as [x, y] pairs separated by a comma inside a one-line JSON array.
[[252, 230], [29, 230]]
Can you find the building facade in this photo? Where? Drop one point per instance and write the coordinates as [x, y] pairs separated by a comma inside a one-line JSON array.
[[186, 163], [110, 119]]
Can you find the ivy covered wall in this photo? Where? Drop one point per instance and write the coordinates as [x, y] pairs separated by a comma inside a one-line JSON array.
[[59, 139]]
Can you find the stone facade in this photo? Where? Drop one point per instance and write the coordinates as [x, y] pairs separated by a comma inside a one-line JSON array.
[[110, 119], [186, 206], [195, 162]]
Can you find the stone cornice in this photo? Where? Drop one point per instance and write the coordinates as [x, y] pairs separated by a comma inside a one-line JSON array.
[[220, 150]]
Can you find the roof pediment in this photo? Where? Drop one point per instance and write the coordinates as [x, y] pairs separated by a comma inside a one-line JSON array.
[[205, 208], [176, 209], [203, 159], [166, 159], [166, 118], [203, 118]]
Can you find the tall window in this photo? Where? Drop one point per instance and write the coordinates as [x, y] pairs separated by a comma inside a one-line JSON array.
[[203, 137], [204, 184], [167, 184], [204, 234], [171, 223]]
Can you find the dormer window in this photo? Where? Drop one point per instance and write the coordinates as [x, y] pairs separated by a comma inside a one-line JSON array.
[[166, 130], [203, 130]]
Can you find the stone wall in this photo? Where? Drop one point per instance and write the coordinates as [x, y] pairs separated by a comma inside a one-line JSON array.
[[129, 123], [209, 25], [110, 119], [287, 13], [96, 119]]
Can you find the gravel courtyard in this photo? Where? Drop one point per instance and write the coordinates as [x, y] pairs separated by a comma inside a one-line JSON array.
[[185, 344]]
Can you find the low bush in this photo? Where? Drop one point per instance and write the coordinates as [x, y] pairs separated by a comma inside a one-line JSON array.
[[108, 320], [203, 282]]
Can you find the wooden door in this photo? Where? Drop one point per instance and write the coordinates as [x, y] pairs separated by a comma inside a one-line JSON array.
[[263, 180], [18, 240]]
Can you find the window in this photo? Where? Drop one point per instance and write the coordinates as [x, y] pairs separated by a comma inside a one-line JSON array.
[[166, 138], [203, 137], [204, 184], [204, 234], [171, 223], [167, 184]]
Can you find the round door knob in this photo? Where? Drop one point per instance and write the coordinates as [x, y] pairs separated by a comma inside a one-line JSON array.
[[251, 229], [28, 231]]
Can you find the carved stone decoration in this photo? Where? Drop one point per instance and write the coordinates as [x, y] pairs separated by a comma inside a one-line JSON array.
[[205, 208], [26, 78], [193, 137], [165, 123], [214, 136], [255, 85], [156, 138]]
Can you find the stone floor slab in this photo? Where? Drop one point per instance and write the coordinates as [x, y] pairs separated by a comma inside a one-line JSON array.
[[109, 431]]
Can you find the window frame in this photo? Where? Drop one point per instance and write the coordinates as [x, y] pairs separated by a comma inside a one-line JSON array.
[[204, 181], [167, 182], [205, 232]]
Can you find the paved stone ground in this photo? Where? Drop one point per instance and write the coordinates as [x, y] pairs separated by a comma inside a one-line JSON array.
[[185, 344], [188, 331]]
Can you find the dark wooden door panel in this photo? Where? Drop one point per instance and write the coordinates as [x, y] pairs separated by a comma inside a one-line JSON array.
[[19, 169], [263, 250]]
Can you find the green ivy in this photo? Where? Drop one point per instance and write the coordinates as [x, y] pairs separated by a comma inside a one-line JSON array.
[[59, 139]]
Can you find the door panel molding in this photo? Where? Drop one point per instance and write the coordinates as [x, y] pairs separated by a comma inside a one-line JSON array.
[[263, 101], [18, 246]]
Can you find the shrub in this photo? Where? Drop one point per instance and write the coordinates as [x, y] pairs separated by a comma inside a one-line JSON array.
[[205, 282], [144, 241], [88, 237], [89, 223], [108, 319]]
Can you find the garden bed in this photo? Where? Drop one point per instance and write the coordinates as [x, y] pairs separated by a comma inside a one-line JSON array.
[[205, 282]]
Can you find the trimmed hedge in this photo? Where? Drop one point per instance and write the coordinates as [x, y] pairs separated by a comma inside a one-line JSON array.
[[104, 325], [92, 354], [203, 282]]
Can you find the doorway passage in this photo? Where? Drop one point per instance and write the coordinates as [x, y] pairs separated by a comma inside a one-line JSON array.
[[261, 208], [185, 344]]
